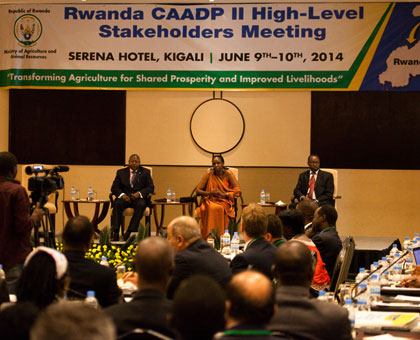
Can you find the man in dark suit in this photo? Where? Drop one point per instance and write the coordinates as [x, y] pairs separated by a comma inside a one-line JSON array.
[[86, 274], [250, 305], [325, 235], [315, 184], [131, 186], [154, 262], [299, 316], [259, 253], [194, 255]]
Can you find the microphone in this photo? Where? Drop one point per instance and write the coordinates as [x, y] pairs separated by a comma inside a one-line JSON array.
[[364, 279], [400, 258], [60, 168]]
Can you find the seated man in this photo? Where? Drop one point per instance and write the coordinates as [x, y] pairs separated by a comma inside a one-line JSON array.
[[259, 253], [86, 274], [307, 208], [293, 223], [194, 255], [274, 233], [250, 305], [299, 316], [325, 235], [198, 309], [131, 186], [315, 184]]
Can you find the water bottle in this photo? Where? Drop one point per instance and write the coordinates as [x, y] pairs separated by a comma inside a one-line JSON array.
[[322, 296], [374, 266], [169, 196], [104, 261], [262, 197], [407, 243], [375, 288], [385, 278], [234, 245], [73, 193], [359, 278], [90, 194], [120, 270], [384, 263], [226, 243], [394, 251], [416, 235], [397, 268], [363, 298], [348, 304], [91, 299]]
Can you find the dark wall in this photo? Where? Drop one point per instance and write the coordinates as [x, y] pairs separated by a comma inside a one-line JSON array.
[[82, 127], [366, 130]]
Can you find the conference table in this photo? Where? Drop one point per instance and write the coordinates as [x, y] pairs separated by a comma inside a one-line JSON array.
[[101, 210]]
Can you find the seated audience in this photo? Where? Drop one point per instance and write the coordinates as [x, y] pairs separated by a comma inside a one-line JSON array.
[[299, 316], [154, 263], [67, 320], [194, 255], [293, 223], [274, 233], [259, 253], [198, 309], [325, 236], [218, 187], [44, 277], [250, 305], [307, 208], [315, 184], [16, 320], [86, 274]]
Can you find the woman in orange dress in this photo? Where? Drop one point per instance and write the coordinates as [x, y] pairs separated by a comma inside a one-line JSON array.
[[217, 187]]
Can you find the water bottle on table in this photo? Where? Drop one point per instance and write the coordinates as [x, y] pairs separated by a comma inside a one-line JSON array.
[[90, 194], [234, 244], [91, 299], [169, 196], [262, 197], [104, 261]]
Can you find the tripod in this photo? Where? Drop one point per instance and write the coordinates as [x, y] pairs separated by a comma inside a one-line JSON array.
[[44, 230]]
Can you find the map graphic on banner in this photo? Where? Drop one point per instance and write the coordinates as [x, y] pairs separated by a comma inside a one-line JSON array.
[[287, 46]]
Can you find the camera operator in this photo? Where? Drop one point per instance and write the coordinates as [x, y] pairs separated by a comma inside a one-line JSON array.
[[16, 222]]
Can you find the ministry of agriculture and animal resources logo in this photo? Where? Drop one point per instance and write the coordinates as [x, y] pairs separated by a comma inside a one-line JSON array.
[[28, 30]]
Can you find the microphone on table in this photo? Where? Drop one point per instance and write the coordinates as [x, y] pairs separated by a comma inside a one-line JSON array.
[[400, 258]]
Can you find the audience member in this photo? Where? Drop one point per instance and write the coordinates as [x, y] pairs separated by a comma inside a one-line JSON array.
[[86, 274], [131, 185], [326, 236], [259, 253], [315, 184], [154, 263], [299, 316], [307, 208], [274, 233], [16, 320], [293, 223], [44, 277], [16, 222], [250, 305], [198, 309], [218, 188], [67, 320], [193, 255]]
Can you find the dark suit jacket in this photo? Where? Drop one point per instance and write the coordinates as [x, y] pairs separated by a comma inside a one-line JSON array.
[[259, 256], [149, 309], [142, 183], [87, 275], [324, 187], [329, 245], [199, 258], [303, 317]]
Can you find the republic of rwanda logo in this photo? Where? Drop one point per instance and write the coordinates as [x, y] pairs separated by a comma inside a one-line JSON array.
[[28, 30]]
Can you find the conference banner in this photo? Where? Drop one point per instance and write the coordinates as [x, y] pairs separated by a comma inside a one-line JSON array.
[[287, 46]]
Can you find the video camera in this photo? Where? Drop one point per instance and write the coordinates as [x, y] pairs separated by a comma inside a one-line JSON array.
[[42, 186]]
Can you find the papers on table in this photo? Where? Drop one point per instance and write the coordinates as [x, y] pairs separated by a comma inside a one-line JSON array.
[[280, 203], [386, 320]]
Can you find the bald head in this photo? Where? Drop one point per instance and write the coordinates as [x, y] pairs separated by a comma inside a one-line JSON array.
[[294, 264], [154, 261], [78, 233], [251, 298]]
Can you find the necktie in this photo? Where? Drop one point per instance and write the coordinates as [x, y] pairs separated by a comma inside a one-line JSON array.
[[133, 176], [311, 186]]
